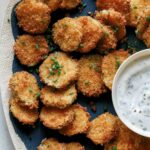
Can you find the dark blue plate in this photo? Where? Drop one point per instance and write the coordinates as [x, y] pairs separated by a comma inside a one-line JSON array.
[[33, 136]]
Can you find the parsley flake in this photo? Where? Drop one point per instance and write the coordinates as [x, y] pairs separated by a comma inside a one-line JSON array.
[[148, 18]]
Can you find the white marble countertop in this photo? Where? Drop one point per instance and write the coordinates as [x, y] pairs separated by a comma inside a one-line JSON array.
[[5, 141]]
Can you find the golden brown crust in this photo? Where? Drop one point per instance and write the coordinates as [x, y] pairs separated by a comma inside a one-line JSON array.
[[65, 4], [114, 19], [58, 98], [136, 7], [126, 139], [122, 6], [74, 146], [58, 70], [33, 17], [22, 113], [110, 65], [109, 40], [67, 33], [90, 81], [103, 129], [30, 50], [55, 118], [24, 86], [80, 124], [51, 144], [92, 33], [146, 37]]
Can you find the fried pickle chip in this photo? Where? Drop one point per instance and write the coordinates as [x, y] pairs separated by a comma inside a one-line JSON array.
[[126, 139], [92, 33], [80, 124], [114, 19], [122, 6], [103, 129], [55, 118], [90, 81], [74, 146], [58, 98], [69, 4], [110, 65], [137, 6], [109, 40], [22, 113], [67, 33], [51, 144], [30, 50], [58, 70], [24, 86], [33, 17]]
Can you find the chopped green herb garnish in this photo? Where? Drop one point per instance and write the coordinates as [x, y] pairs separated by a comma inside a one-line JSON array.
[[148, 18], [37, 70], [38, 94], [37, 46], [84, 5], [45, 56], [95, 67], [71, 93], [118, 63], [114, 148], [30, 90], [55, 81], [81, 45], [86, 82], [55, 67], [116, 29]]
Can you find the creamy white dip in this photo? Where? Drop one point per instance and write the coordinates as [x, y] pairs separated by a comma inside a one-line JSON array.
[[132, 92]]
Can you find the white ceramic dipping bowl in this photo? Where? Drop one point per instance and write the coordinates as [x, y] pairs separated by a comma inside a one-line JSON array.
[[131, 92]]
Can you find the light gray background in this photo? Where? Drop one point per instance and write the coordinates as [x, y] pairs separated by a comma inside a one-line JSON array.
[[5, 141]]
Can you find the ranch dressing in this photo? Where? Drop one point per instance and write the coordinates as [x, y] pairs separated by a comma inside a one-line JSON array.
[[133, 93]]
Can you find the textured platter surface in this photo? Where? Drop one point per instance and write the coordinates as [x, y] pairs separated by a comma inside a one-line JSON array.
[[32, 137]]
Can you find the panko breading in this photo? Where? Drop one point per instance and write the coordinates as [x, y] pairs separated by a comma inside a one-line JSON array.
[[143, 26], [24, 86], [114, 19], [103, 129], [145, 144], [67, 33], [69, 4], [33, 17], [126, 139], [30, 50], [80, 124], [74, 146], [58, 70], [92, 33], [90, 81], [55, 118], [22, 113], [110, 65], [122, 6], [58, 98], [51, 144], [137, 6], [109, 40]]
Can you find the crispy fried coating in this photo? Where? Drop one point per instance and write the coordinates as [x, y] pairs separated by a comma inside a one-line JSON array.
[[103, 129], [143, 26], [58, 70], [137, 6], [22, 113], [92, 33], [114, 19], [55, 118], [51, 144], [90, 81], [109, 40], [69, 4], [74, 146], [80, 124], [67, 33], [30, 50], [58, 98], [24, 86], [33, 17], [110, 65], [122, 6], [126, 139], [145, 144]]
